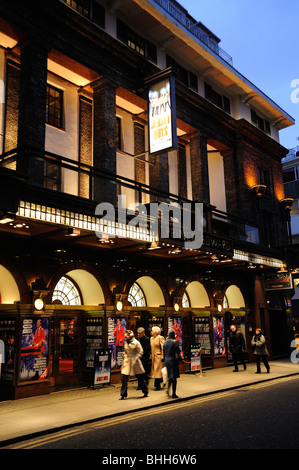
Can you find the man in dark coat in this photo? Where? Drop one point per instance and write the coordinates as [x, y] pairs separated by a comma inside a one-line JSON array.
[[146, 346], [236, 346], [172, 356]]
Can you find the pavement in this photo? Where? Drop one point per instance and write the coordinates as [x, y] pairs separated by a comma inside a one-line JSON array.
[[29, 417]]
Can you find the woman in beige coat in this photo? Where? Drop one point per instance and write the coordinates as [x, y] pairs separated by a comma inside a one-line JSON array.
[[157, 355], [132, 365]]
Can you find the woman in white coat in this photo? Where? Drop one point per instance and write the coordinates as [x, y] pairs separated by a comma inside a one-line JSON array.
[[157, 355], [132, 365]]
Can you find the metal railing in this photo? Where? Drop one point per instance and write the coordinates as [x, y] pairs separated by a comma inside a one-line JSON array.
[[65, 176], [194, 28]]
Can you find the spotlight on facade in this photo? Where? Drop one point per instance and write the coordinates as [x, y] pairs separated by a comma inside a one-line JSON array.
[[154, 246], [259, 189]]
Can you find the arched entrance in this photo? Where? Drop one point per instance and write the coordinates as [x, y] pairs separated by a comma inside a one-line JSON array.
[[71, 294]]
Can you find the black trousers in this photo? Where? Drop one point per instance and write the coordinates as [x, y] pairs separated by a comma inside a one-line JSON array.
[[124, 384], [238, 357], [258, 362]]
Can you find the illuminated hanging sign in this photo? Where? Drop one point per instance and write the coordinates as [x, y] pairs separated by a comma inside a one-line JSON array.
[[162, 131]]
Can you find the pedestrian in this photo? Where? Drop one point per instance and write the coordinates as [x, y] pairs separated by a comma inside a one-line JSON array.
[[172, 357], [258, 342], [146, 346], [157, 354], [236, 346], [132, 365]]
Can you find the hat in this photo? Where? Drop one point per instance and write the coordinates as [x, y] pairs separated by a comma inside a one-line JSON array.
[[140, 330]]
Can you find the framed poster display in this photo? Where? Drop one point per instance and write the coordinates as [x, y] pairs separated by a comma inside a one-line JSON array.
[[219, 336], [202, 333], [93, 339], [117, 327], [34, 349], [7, 348], [195, 357]]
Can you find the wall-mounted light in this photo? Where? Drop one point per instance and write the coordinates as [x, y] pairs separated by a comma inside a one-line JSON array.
[[119, 305], [38, 304], [6, 218], [287, 203], [259, 189], [219, 307], [176, 307], [73, 232]]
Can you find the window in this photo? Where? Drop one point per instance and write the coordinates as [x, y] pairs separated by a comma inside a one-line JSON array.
[[185, 301], [264, 177], [90, 9], [216, 98], [261, 123], [66, 292], [136, 296], [81, 6], [54, 109], [52, 176], [136, 42], [188, 78], [289, 175]]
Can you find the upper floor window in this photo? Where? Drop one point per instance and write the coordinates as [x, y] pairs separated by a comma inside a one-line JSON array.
[[90, 9], [290, 174], [136, 42], [216, 98], [66, 293], [54, 107], [185, 76], [261, 123]]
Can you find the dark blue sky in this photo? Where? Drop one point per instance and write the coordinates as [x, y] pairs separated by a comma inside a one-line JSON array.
[[262, 38]]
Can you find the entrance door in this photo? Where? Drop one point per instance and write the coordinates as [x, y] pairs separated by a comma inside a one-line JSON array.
[[64, 350]]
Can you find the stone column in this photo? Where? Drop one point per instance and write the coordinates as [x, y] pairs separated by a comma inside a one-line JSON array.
[[32, 108], [104, 139], [199, 168]]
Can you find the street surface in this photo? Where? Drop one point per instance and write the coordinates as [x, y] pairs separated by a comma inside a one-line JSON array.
[[260, 416]]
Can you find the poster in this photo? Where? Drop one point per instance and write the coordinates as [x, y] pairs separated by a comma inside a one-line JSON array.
[[202, 334], [155, 321], [34, 349], [7, 348], [195, 357], [175, 323], [117, 327], [102, 366], [219, 336], [93, 339]]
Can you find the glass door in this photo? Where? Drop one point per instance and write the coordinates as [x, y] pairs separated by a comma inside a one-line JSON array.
[[64, 350]]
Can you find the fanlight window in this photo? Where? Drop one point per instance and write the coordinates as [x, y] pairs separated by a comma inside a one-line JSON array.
[[66, 292], [185, 301], [136, 296]]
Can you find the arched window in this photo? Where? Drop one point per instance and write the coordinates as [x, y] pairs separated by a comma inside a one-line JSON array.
[[66, 292], [136, 296], [185, 301]]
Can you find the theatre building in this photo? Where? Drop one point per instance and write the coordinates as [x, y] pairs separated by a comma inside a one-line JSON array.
[[129, 105]]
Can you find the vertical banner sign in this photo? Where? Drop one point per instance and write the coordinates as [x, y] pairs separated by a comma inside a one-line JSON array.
[[161, 112], [34, 349], [195, 358], [102, 366]]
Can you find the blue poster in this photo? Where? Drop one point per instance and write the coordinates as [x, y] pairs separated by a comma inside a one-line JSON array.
[[34, 349]]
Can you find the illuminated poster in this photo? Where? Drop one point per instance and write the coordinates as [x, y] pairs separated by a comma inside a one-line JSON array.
[[102, 366], [116, 338], [155, 321], [34, 349], [7, 348], [162, 115], [219, 336], [175, 323], [202, 334]]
